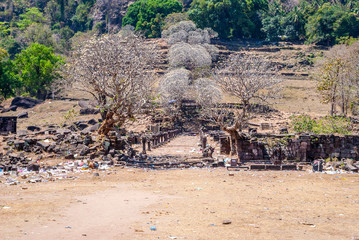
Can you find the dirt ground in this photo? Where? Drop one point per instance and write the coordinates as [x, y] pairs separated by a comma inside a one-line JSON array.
[[184, 204]]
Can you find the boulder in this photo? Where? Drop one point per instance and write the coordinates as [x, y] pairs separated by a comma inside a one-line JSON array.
[[25, 102], [89, 111], [92, 122], [33, 128], [21, 133], [12, 108], [82, 126], [33, 167], [84, 151], [93, 128], [19, 145], [87, 140], [86, 104], [44, 146], [23, 115]]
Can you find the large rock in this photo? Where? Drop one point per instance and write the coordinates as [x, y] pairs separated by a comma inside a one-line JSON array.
[[33, 128], [86, 104], [25, 102], [92, 122], [33, 167], [93, 128], [23, 115], [12, 108], [88, 111], [84, 151]]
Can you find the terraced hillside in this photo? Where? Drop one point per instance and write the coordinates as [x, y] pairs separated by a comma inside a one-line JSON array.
[[295, 62]]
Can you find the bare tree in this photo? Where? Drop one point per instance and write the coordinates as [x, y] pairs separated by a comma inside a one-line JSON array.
[[248, 79], [337, 76], [208, 92], [117, 71]]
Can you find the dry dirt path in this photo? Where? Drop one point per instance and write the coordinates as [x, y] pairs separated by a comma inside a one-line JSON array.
[[188, 204], [102, 215], [182, 146]]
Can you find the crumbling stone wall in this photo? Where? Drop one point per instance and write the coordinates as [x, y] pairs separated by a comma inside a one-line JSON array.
[[300, 148], [8, 125]]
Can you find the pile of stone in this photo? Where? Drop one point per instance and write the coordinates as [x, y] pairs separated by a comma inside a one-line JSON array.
[[348, 165], [79, 142]]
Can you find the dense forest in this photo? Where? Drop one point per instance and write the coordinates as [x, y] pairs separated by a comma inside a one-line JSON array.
[[37, 35]]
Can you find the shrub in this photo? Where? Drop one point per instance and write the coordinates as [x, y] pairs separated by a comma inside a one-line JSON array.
[[303, 123], [326, 125]]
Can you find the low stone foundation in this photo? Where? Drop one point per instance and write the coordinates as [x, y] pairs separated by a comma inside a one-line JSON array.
[[303, 148]]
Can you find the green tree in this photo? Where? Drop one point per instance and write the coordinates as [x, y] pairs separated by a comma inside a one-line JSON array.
[[331, 22], [229, 18], [37, 69], [39, 33], [32, 15], [7, 77], [147, 15], [82, 21]]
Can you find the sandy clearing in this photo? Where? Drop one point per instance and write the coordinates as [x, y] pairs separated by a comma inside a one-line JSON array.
[[101, 215], [189, 203]]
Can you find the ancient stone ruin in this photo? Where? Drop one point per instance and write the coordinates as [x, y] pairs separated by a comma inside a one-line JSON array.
[[8, 125]]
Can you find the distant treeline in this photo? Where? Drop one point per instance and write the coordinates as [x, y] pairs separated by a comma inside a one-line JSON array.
[[54, 22]]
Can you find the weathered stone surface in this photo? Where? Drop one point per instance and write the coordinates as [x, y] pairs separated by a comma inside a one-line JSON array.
[[227, 221], [84, 151], [92, 122], [12, 108], [33, 167], [89, 111], [23, 115], [33, 128], [25, 102], [22, 133]]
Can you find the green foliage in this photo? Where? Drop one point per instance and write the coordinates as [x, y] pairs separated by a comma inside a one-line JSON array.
[[303, 123], [10, 45], [32, 15], [346, 40], [4, 29], [36, 67], [334, 124], [326, 125], [82, 21], [331, 22], [229, 18], [39, 33], [7, 78], [147, 15]]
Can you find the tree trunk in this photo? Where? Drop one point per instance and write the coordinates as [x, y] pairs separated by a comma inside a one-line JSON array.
[[233, 142], [333, 102], [102, 102], [107, 125]]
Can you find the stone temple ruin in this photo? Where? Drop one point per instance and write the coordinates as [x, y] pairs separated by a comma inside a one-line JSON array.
[[77, 142], [7, 125]]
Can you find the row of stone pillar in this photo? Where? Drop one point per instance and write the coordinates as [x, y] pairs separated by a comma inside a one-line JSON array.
[[156, 140]]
